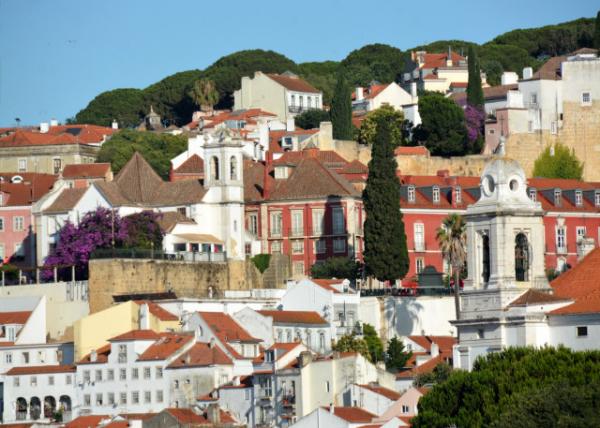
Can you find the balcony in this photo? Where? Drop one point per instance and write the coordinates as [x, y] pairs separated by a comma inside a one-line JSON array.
[[561, 250], [300, 109], [296, 232], [420, 247]]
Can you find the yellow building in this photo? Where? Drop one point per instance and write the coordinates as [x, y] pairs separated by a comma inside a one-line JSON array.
[[93, 331]]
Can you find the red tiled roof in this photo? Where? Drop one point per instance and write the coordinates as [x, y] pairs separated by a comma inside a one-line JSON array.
[[31, 189], [227, 330], [137, 335], [535, 297], [66, 200], [18, 317], [426, 367], [411, 150], [580, 284], [192, 165], [294, 317], [165, 346], [436, 60], [329, 158], [354, 167], [490, 93], [459, 84], [387, 393], [88, 421], [101, 356], [57, 135], [445, 343], [327, 284], [275, 138], [158, 311], [293, 83], [32, 370], [86, 170], [168, 220], [201, 355], [352, 414], [188, 417], [375, 90]]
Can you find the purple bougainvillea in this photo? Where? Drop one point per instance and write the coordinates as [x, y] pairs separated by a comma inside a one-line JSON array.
[[474, 118]]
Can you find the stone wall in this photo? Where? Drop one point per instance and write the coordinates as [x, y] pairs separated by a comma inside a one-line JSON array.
[[109, 277]]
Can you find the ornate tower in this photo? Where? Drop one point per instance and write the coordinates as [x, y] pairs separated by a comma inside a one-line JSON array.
[[505, 258]]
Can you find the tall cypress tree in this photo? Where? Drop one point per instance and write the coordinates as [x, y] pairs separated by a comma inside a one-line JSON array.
[[386, 254], [341, 109], [597, 31], [474, 90]]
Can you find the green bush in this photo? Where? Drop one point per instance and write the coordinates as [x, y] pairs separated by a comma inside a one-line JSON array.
[[261, 261]]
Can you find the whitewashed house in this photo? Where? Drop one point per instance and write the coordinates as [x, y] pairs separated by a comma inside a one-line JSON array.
[[392, 94]]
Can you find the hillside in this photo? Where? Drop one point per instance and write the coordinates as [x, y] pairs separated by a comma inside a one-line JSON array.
[[510, 51]]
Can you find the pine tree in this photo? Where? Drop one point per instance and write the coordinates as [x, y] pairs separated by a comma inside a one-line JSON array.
[[386, 254], [474, 90], [341, 110], [597, 32], [396, 356]]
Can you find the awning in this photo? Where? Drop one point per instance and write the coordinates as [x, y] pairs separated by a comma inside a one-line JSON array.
[[198, 238]]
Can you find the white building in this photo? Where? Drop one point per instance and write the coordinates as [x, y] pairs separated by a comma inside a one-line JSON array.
[[392, 94], [285, 94]]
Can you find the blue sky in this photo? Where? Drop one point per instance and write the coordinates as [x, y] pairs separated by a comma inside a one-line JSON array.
[[57, 55]]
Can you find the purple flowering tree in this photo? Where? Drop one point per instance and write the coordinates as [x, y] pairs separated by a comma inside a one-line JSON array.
[[97, 229], [475, 122]]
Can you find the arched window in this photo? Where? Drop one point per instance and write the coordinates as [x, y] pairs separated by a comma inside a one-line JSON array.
[[214, 168], [521, 258], [485, 271], [233, 168]]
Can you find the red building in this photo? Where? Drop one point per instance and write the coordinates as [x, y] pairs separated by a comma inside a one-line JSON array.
[[18, 191], [305, 204]]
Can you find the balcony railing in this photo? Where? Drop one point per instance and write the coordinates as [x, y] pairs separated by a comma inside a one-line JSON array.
[[181, 256], [561, 250], [300, 109]]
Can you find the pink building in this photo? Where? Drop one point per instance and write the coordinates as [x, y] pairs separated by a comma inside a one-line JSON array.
[[18, 191]]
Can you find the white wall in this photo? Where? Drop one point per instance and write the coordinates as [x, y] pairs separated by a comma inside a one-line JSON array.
[[423, 315]]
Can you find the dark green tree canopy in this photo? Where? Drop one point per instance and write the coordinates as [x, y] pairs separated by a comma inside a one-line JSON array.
[[379, 62], [126, 106], [443, 129], [396, 356], [558, 162], [157, 149], [311, 118], [335, 267], [341, 110], [386, 254], [374, 343], [352, 343], [519, 387], [596, 42], [474, 89], [399, 127]]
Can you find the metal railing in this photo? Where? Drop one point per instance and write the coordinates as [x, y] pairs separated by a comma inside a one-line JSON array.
[[182, 256]]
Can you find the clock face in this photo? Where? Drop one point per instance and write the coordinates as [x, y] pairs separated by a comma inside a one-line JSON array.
[[488, 185]]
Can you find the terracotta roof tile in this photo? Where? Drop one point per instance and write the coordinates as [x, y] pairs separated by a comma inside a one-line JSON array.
[[137, 335], [436, 60], [327, 284], [32, 370], [293, 83], [31, 189], [18, 317], [445, 343], [86, 170], [169, 219], [165, 346], [489, 94], [536, 297], [188, 417], [201, 355], [57, 135], [101, 356], [387, 393], [87, 421], [294, 317], [66, 200], [226, 328], [192, 165], [158, 311], [352, 414], [354, 167]]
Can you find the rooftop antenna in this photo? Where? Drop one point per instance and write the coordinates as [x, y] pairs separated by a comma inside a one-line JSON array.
[[18, 120]]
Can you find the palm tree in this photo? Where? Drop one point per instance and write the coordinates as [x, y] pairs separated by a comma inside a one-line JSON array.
[[204, 93], [452, 238]]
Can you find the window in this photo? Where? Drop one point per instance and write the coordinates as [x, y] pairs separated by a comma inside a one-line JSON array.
[[122, 353], [338, 220], [68, 380], [533, 195], [561, 239], [276, 247], [147, 396], [25, 358], [159, 373], [176, 384], [582, 331], [1, 224], [301, 99], [485, 273], [98, 399], [327, 387], [586, 98], [122, 374], [309, 102], [50, 380], [581, 232], [87, 400], [458, 194], [134, 373], [56, 165], [147, 373], [253, 224], [533, 99], [411, 193], [298, 268], [297, 247], [405, 408], [578, 198], [318, 217], [110, 374], [436, 194], [557, 197], [233, 168], [321, 341], [22, 165], [289, 336], [420, 264], [33, 380], [2, 258], [276, 223], [18, 224], [553, 127], [98, 376], [320, 246], [419, 234], [159, 396], [521, 258], [597, 198], [110, 398], [480, 333], [135, 397], [16, 381], [297, 223], [293, 100], [123, 398], [214, 168], [317, 102], [339, 245], [86, 376], [181, 210]]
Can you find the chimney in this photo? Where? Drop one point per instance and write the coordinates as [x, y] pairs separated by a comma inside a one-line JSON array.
[[53, 122], [114, 124], [290, 125], [143, 317], [449, 57], [44, 127], [359, 94], [213, 414], [331, 408], [509, 78], [93, 356], [266, 181], [527, 73], [188, 358], [263, 134], [435, 350], [413, 89], [584, 246], [304, 359], [212, 343]]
